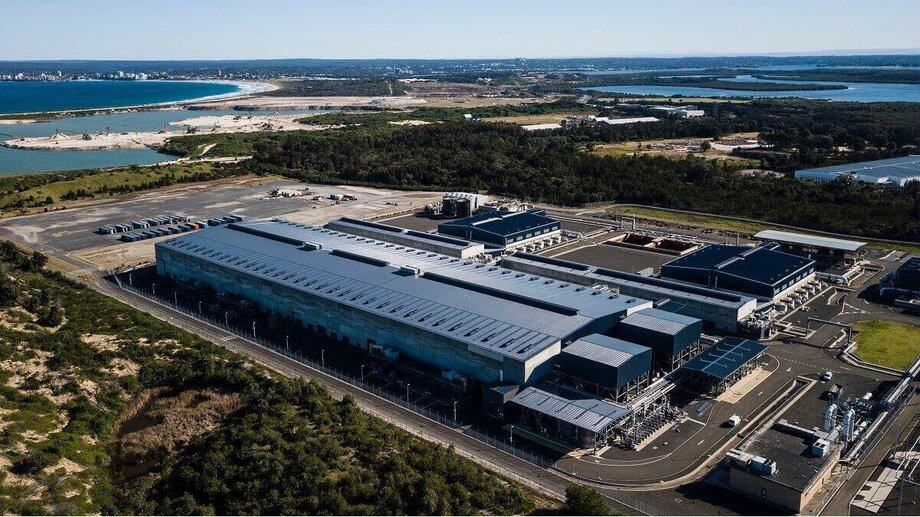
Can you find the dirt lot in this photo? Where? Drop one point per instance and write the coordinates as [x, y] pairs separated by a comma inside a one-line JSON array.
[[676, 148]]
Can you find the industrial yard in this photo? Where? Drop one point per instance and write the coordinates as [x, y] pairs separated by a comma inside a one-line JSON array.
[[581, 345]]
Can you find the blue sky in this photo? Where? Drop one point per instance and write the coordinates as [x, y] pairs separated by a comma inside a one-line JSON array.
[[226, 29]]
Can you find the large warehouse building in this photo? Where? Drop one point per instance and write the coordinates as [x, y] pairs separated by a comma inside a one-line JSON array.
[[721, 310], [893, 171], [762, 271], [485, 322], [824, 250], [504, 229]]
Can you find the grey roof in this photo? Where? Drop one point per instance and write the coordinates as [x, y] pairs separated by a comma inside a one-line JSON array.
[[760, 264], [725, 357], [495, 311], [891, 170], [589, 414], [809, 240], [604, 349], [663, 287], [346, 223], [796, 467], [502, 222], [661, 321]]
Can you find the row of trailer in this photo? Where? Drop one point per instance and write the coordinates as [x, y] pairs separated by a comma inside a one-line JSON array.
[[156, 226], [142, 224]]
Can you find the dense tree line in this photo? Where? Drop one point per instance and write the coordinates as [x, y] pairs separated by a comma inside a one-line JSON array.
[[503, 159], [554, 167]]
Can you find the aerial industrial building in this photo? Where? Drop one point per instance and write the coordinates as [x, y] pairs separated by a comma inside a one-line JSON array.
[[719, 309], [827, 251], [673, 337], [607, 366], [784, 465], [587, 422], [722, 364], [762, 271], [484, 322], [449, 246], [504, 229], [903, 285], [893, 171]]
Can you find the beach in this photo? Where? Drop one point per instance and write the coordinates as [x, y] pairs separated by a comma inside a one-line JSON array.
[[140, 139]]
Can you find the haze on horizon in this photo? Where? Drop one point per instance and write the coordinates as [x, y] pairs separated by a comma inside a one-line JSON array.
[[241, 29]]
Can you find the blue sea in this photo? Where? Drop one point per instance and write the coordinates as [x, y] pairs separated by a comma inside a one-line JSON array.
[[856, 92], [21, 161], [36, 96]]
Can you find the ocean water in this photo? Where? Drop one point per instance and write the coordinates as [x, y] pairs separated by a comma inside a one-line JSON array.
[[36, 96], [22, 161]]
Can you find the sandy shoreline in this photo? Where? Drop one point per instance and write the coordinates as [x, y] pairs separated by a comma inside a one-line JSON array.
[[140, 139]]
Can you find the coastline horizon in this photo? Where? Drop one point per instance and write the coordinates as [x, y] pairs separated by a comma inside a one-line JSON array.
[[244, 88]]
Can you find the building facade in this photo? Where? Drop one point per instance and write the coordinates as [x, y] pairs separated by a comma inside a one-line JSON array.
[[488, 323]]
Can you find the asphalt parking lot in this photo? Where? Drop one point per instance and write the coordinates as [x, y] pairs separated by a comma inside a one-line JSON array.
[[75, 229]]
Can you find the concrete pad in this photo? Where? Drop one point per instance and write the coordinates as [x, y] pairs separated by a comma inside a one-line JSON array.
[[741, 388]]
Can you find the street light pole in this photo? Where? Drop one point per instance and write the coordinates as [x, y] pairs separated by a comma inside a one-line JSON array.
[[455, 411], [511, 437], [199, 306], [407, 392], [175, 298], [322, 356], [362, 373], [253, 329], [226, 319], [153, 287], [287, 343]]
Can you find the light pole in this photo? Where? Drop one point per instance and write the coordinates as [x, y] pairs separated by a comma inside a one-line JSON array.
[[253, 329], [407, 392], [226, 319], [455, 411], [175, 298], [153, 287], [322, 356], [130, 280], [362, 373], [511, 436], [287, 343], [199, 306]]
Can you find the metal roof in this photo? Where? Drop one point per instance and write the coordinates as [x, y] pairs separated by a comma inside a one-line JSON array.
[[604, 349], [809, 240], [495, 311], [725, 357], [589, 414], [891, 170], [759, 264], [660, 321], [664, 287], [501, 222]]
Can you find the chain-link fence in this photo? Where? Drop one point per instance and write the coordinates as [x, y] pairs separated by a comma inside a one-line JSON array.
[[344, 377]]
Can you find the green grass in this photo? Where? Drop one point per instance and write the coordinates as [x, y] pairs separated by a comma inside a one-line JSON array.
[[40, 190], [887, 343]]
